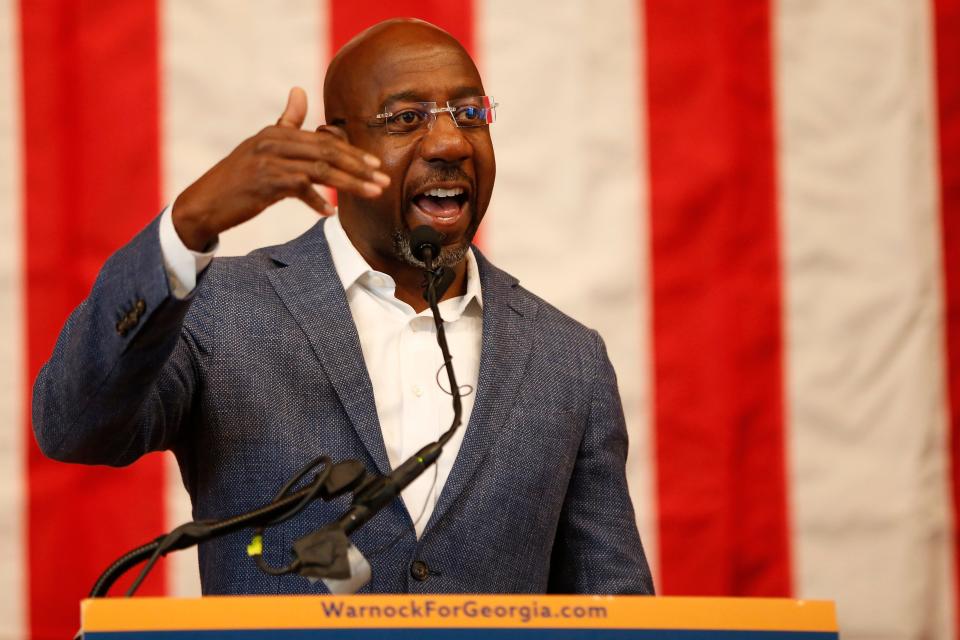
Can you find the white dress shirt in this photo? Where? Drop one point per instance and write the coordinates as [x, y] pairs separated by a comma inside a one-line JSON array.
[[399, 349]]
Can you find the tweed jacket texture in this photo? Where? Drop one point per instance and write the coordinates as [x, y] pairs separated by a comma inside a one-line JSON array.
[[261, 370]]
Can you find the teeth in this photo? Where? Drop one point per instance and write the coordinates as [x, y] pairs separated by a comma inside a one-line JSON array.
[[445, 193]]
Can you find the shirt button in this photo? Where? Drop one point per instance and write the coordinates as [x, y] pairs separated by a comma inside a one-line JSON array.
[[417, 391], [419, 570]]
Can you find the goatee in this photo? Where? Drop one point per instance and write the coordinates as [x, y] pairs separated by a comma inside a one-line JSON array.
[[449, 256]]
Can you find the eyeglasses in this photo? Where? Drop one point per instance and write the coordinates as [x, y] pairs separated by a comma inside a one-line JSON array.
[[408, 117]]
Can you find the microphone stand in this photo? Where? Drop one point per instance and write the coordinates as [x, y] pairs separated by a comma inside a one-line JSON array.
[[322, 553]]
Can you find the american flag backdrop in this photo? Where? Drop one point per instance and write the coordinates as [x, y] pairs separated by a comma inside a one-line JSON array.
[[756, 202]]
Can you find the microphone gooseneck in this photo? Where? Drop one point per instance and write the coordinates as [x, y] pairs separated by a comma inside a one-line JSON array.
[[426, 243]]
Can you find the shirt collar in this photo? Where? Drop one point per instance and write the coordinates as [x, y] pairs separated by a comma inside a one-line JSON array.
[[353, 270]]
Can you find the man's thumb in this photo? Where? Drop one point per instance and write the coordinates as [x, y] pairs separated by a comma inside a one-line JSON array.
[[296, 110]]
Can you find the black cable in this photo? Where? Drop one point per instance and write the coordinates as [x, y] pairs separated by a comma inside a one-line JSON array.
[[275, 571], [146, 569], [465, 389], [120, 566], [195, 532], [321, 459], [314, 489], [256, 541], [262, 563], [433, 278]]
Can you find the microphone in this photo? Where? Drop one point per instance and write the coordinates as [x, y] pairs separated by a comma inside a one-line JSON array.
[[425, 244]]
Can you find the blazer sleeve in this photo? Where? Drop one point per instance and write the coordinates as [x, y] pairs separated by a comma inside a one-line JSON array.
[[122, 375], [598, 548]]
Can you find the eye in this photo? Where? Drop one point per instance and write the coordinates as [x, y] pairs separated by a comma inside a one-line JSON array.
[[471, 115], [406, 120]]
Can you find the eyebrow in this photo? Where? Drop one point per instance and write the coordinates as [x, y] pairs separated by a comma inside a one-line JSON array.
[[416, 96]]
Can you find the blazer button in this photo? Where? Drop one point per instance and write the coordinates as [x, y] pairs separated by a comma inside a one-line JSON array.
[[419, 570]]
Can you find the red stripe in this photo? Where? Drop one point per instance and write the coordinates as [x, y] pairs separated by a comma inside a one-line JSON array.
[[91, 133], [947, 34], [348, 18], [716, 299]]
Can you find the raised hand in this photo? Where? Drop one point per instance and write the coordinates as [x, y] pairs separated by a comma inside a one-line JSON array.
[[281, 161]]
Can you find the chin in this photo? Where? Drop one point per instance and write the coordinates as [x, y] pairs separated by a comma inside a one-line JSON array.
[[450, 255]]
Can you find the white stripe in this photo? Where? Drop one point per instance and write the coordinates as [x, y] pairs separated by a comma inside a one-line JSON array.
[[228, 68], [13, 585], [226, 73], [569, 211], [866, 389]]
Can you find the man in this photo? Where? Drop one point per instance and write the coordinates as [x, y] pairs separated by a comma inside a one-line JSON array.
[[249, 367]]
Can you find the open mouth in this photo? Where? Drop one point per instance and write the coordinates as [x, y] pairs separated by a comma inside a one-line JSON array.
[[439, 206]]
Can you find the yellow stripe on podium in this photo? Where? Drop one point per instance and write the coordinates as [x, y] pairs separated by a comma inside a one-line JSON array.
[[456, 611]]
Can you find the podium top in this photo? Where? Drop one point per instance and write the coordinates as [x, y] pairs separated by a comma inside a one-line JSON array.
[[403, 616]]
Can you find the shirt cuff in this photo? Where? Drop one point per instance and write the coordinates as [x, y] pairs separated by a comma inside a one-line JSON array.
[[182, 264]]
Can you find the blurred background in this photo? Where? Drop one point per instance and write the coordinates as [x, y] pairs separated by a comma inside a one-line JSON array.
[[756, 203]]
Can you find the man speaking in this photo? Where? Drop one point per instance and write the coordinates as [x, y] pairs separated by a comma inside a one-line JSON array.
[[248, 368]]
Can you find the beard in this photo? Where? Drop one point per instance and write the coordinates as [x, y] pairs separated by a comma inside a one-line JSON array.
[[449, 256]]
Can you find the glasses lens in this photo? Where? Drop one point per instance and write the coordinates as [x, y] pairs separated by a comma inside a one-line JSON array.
[[478, 111], [406, 118]]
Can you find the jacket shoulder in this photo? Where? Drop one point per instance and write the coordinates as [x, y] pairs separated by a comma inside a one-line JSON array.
[[547, 317]]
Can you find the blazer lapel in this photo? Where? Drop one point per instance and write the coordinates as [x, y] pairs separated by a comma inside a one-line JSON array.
[[309, 286], [505, 349]]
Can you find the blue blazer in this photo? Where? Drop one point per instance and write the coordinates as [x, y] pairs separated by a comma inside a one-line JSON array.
[[261, 370]]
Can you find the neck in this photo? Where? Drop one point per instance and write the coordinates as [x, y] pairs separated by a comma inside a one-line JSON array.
[[410, 284], [408, 278]]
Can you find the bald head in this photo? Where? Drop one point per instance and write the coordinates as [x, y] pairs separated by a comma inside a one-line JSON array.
[[379, 54]]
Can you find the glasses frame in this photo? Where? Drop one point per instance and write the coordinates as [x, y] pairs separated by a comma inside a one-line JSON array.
[[431, 109]]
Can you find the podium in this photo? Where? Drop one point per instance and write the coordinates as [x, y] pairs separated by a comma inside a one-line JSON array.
[[466, 617]]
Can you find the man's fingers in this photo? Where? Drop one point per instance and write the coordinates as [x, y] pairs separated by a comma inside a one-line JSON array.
[[322, 172], [352, 163], [296, 110], [293, 143], [297, 184], [343, 143]]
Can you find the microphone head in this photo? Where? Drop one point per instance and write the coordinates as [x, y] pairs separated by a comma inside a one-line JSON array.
[[425, 238]]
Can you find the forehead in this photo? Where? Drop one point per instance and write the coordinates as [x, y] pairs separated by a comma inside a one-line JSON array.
[[421, 71]]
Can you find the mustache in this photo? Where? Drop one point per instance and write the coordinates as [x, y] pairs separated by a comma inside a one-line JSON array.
[[442, 173]]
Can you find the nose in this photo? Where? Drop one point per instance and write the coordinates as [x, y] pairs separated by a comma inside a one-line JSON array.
[[444, 141]]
